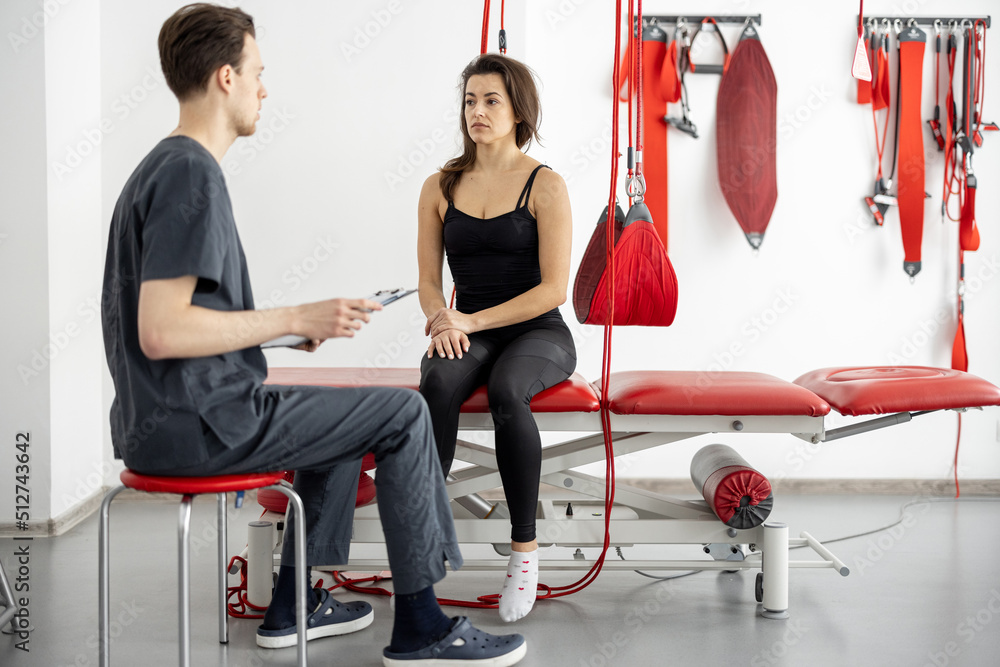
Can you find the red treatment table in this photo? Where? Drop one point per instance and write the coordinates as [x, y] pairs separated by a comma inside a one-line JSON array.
[[649, 409]]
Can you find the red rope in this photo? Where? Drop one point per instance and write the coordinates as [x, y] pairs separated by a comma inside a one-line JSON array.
[[486, 27], [638, 96], [630, 56], [880, 146]]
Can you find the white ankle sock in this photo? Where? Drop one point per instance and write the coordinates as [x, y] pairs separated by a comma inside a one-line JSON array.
[[520, 586]]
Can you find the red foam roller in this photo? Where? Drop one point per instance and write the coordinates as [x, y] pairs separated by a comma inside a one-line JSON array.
[[739, 495]]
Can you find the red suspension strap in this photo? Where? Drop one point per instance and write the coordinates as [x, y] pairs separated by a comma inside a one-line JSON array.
[[912, 42]]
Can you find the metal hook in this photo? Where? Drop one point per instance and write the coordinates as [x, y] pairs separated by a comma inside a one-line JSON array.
[[910, 23], [897, 25], [964, 21], [635, 187], [937, 26]]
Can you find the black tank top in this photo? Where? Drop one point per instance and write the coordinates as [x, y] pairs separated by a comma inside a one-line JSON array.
[[496, 259]]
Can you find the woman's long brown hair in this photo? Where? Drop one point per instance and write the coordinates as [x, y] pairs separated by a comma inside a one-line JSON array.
[[523, 95]]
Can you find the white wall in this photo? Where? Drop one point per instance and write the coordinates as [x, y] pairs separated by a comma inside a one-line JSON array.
[[24, 261], [325, 197], [52, 255], [77, 242]]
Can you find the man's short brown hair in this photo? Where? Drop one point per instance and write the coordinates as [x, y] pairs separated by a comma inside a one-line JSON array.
[[199, 39]]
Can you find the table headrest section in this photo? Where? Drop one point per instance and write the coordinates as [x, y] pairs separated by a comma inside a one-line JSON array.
[[875, 390], [729, 393], [573, 395]]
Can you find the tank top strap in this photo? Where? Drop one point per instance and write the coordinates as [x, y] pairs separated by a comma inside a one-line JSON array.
[[526, 192]]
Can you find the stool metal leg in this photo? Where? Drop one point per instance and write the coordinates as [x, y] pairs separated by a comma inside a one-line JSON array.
[[184, 581], [296, 512], [10, 607], [104, 581], [223, 524]]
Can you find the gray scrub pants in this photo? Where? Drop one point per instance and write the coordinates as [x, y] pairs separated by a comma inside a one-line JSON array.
[[322, 433]]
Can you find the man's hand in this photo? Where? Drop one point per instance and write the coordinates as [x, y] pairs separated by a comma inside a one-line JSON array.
[[333, 318], [448, 318], [451, 343]]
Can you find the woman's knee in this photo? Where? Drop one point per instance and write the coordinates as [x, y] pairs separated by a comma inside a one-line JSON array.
[[436, 379], [507, 395]]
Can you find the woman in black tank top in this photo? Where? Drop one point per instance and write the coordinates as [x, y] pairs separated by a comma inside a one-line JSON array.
[[509, 257]]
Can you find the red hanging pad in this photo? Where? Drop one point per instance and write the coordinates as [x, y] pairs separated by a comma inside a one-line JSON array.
[[746, 128], [593, 264], [645, 282], [911, 146]]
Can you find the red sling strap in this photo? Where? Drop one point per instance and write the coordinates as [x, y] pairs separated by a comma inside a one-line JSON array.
[[910, 188], [746, 142]]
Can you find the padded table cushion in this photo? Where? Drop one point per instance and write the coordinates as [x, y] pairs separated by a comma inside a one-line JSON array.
[[572, 395], [729, 393], [888, 389]]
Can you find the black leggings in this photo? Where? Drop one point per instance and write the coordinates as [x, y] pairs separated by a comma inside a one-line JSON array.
[[515, 362]]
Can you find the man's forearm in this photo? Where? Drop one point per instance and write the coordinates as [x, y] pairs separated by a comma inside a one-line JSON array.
[[200, 332]]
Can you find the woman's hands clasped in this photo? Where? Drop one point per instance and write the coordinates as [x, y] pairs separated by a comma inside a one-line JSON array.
[[449, 329]]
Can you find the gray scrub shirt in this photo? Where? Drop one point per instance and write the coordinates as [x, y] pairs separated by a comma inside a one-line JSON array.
[[174, 219]]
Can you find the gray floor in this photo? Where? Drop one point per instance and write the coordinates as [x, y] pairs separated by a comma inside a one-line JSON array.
[[924, 593]]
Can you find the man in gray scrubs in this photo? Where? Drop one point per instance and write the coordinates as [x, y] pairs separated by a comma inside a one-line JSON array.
[[182, 342]]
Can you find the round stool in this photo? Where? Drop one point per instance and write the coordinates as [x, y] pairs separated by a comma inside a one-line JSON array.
[[187, 488]]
